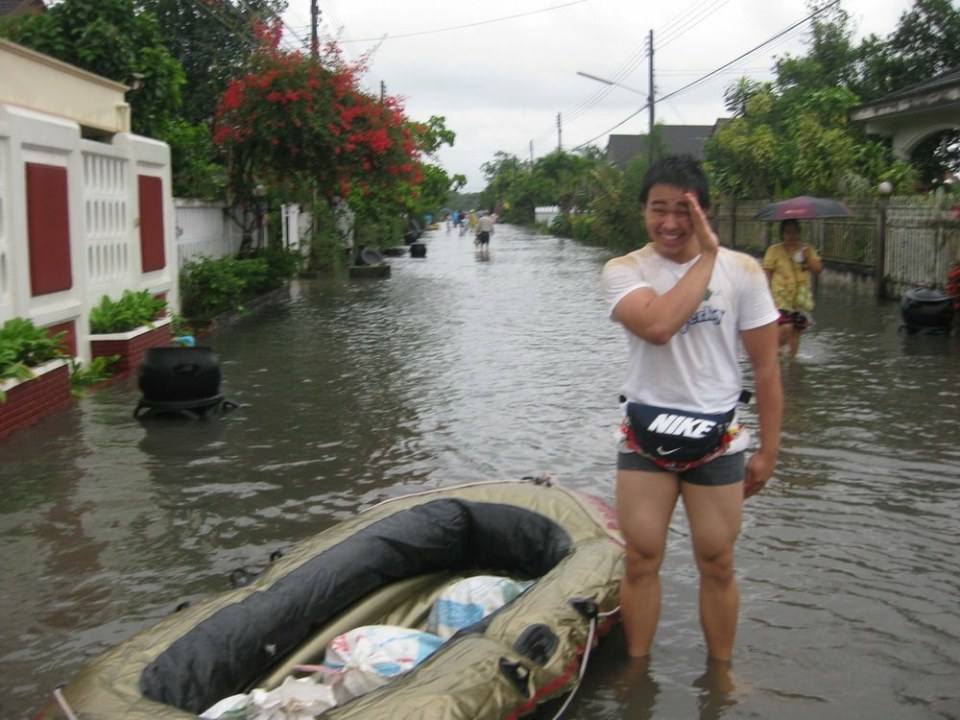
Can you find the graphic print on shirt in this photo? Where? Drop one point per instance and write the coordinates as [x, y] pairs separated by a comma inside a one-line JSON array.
[[705, 313]]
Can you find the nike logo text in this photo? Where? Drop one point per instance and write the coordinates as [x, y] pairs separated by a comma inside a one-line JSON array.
[[690, 427]]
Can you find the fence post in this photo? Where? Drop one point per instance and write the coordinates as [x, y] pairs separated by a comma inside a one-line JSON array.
[[880, 246], [733, 222]]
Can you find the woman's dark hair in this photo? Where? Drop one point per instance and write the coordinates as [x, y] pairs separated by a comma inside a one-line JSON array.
[[784, 224], [681, 171]]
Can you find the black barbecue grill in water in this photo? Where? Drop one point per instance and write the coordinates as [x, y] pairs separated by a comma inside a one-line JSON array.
[[180, 381], [927, 311]]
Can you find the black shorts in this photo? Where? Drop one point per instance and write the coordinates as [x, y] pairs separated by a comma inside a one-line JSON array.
[[799, 320], [483, 237], [724, 470]]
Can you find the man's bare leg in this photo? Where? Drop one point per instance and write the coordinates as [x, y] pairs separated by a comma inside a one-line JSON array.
[[645, 502], [714, 514]]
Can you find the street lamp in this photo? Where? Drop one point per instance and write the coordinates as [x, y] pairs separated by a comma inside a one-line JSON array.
[[610, 82]]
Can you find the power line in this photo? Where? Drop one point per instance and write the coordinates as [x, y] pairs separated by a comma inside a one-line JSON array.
[[713, 72], [634, 61], [682, 30], [682, 17], [750, 52], [470, 25]]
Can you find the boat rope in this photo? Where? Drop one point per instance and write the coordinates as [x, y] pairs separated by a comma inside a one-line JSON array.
[[62, 702], [584, 659]]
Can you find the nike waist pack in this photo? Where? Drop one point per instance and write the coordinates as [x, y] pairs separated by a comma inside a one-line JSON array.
[[676, 439]]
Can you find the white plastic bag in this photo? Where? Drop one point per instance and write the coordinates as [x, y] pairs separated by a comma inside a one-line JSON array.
[[295, 699], [368, 657], [470, 600]]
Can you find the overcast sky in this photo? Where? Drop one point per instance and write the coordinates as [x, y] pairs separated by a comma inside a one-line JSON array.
[[501, 81]]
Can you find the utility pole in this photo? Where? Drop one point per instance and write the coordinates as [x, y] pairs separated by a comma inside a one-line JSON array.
[[383, 91], [531, 153], [559, 131], [314, 25], [650, 102]]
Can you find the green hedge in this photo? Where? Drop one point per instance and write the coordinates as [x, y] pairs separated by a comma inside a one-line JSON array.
[[22, 346], [210, 286], [132, 310]]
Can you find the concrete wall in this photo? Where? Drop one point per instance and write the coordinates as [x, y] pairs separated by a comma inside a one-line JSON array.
[[41, 83]]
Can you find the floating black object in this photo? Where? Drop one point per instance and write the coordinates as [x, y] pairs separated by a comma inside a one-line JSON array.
[[927, 310], [380, 270], [418, 250], [369, 256], [413, 231], [180, 380]]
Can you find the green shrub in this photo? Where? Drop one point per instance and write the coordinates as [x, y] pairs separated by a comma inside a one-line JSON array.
[[99, 369], [132, 310], [209, 287], [560, 225], [254, 275], [22, 346], [283, 264]]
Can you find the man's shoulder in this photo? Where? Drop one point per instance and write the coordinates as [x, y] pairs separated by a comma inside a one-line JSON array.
[[736, 260], [632, 260]]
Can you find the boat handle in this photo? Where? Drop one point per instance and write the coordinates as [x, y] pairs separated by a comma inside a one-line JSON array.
[[517, 674]]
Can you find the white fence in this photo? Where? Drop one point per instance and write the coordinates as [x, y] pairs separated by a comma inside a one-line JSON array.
[[205, 230], [103, 220], [545, 214]]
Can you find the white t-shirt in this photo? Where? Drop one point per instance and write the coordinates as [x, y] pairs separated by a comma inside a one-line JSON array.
[[697, 370], [485, 224]]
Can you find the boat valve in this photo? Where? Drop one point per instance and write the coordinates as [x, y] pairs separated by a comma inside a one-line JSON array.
[[587, 607]]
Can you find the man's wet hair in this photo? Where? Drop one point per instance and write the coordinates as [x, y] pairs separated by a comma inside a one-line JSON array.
[[789, 222], [682, 171]]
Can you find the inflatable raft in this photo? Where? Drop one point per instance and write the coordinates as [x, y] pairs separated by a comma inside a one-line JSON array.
[[386, 566]]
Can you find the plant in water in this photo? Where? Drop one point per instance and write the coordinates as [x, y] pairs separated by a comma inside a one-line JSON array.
[[132, 310], [23, 346], [99, 369]]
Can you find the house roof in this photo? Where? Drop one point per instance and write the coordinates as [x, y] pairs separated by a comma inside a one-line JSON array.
[[677, 139], [20, 7], [947, 79]]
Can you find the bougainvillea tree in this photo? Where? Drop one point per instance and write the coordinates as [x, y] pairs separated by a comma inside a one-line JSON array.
[[295, 122]]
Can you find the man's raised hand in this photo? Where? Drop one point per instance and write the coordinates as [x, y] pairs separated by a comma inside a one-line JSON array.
[[705, 235]]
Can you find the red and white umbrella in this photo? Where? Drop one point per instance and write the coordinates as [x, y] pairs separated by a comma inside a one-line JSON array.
[[803, 207]]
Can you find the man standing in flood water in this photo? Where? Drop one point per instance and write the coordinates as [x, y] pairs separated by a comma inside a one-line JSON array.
[[685, 304]]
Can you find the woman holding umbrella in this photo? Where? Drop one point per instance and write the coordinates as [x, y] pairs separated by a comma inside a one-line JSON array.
[[790, 265]]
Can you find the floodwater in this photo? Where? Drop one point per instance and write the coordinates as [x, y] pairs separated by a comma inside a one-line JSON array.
[[462, 368]]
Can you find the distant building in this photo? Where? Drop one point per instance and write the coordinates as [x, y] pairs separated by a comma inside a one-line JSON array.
[[676, 139], [11, 8], [912, 114]]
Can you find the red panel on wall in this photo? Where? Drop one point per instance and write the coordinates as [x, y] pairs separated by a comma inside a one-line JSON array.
[[151, 223], [70, 339], [48, 229]]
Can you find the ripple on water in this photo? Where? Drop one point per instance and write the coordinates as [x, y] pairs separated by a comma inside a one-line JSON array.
[[457, 370]]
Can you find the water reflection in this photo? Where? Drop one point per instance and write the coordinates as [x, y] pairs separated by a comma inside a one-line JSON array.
[[459, 369], [717, 690]]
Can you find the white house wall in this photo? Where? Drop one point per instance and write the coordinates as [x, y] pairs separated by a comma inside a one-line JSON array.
[[104, 223]]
